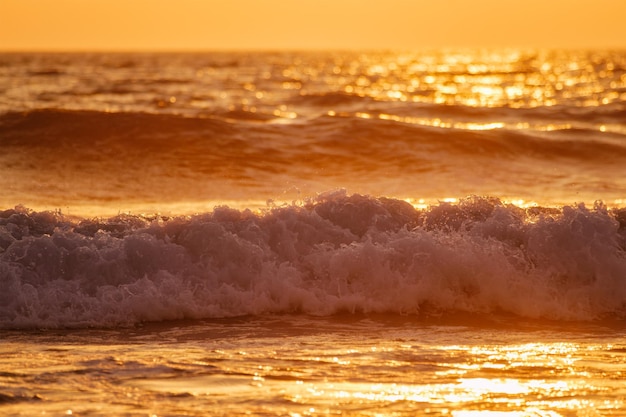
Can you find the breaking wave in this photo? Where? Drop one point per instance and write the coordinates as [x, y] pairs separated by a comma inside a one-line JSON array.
[[338, 253]]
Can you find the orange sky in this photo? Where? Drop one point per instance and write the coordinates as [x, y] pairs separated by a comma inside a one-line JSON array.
[[306, 24]]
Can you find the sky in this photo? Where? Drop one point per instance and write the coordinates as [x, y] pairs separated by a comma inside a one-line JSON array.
[[167, 25]]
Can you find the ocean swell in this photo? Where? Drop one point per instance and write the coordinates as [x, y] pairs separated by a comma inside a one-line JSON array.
[[73, 130], [335, 254]]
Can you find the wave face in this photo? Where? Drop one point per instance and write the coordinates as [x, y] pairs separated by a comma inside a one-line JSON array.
[[64, 159], [339, 253]]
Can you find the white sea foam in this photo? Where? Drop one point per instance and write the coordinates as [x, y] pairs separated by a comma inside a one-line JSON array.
[[337, 254]]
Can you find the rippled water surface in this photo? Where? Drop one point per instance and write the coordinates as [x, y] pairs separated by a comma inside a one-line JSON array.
[[303, 234], [305, 366], [103, 133]]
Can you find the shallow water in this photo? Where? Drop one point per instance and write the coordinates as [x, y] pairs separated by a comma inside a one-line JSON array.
[[351, 365]]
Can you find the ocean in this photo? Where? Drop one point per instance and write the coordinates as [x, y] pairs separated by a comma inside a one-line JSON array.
[[359, 233]]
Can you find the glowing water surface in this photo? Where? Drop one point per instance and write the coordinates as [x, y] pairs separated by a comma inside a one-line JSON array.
[[104, 134], [301, 366], [181, 133]]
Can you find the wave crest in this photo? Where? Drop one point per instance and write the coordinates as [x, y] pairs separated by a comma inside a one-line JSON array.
[[338, 253]]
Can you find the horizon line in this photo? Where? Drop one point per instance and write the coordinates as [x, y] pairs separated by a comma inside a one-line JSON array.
[[308, 49]]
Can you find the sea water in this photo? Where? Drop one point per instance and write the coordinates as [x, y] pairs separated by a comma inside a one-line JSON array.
[[313, 233], [303, 366]]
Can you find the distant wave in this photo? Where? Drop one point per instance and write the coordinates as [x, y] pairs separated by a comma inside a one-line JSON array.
[[90, 157], [340, 253], [341, 139], [329, 100]]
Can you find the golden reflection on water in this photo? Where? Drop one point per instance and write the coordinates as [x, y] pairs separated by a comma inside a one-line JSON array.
[[510, 380], [474, 79], [400, 372], [533, 379], [518, 79], [508, 79], [490, 125]]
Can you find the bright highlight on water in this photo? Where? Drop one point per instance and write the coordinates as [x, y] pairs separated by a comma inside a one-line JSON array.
[[313, 234]]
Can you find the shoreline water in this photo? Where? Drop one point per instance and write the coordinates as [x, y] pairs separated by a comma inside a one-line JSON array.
[[359, 366]]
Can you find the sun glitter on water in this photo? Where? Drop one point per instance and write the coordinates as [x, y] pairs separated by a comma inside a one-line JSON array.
[[536, 379]]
